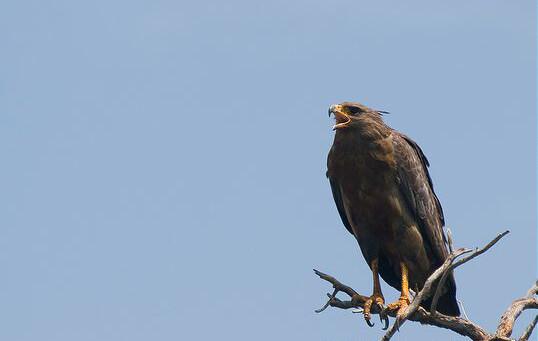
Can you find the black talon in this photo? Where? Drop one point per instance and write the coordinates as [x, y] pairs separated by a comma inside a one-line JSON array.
[[370, 324], [384, 320], [383, 314]]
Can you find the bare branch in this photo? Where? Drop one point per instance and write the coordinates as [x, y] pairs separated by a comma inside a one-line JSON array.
[[506, 325], [424, 293], [433, 282], [337, 285], [533, 290], [331, 297], [478, 252], [415, 312], [529, 330], [457, 324]]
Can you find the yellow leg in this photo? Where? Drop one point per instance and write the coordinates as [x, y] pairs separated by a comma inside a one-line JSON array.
[[405, 281], [377, 296], [404, 299], [375, 274]]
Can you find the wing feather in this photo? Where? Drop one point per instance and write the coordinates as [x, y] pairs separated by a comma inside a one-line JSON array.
[[416, 187], [337, 195]]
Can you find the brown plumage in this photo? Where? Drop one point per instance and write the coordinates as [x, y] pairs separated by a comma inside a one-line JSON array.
[[384, 195]]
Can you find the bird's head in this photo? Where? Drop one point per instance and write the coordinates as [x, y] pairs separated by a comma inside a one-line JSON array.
[[348, 114]]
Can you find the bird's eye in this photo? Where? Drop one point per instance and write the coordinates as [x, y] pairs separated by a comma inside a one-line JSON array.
[[354, 110]]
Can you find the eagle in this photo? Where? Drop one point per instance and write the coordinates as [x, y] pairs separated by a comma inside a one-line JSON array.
[[385, 198]]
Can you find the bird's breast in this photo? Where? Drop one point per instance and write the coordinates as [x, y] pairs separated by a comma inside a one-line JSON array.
[[367, 177], [375, 208]]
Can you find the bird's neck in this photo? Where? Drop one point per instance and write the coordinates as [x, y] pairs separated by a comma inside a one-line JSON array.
[[362, 134], [365, 146]]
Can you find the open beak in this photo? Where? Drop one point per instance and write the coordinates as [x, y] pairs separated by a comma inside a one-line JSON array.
[[342, 119]]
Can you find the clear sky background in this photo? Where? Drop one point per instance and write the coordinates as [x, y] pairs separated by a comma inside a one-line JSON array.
[[163, 162]]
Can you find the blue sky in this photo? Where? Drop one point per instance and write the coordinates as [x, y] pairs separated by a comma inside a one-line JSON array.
[[164, 162]]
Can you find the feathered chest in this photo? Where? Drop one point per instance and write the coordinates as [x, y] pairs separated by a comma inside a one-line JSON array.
[[368, 163], [366, 174]]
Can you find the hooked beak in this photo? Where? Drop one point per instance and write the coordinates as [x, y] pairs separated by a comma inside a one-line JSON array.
[[342, 119]]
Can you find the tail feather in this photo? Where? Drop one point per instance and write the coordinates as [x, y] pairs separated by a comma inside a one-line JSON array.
[[447, 303]]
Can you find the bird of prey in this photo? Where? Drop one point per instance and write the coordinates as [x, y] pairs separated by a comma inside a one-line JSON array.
[[384, 195]]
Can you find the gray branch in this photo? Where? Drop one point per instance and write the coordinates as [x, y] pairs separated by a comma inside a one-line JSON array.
[[529, 330], [506, 324], [416, 313]]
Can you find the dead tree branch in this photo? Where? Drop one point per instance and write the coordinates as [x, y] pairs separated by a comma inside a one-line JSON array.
[[506, 325], [529, 330], [416, 313]]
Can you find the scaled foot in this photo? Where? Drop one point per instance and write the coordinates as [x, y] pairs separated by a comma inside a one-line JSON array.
[[375, 299], [399, 307]]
